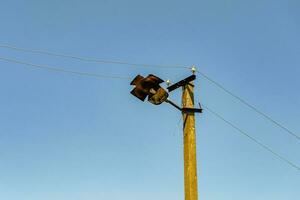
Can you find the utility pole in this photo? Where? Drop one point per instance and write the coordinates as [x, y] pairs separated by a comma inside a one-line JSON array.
[[189, 142], [149, 87]]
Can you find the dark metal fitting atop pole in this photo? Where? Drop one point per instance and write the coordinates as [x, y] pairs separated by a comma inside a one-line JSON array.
[[181, 83], [185, 110]]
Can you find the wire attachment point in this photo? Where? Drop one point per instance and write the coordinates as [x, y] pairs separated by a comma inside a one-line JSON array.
[[194, 69], [168, 82]]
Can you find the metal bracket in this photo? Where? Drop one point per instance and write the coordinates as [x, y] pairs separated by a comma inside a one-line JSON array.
[[185, 110], [181, 83]]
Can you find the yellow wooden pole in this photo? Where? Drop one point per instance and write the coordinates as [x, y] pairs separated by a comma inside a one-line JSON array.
[[189, 140]]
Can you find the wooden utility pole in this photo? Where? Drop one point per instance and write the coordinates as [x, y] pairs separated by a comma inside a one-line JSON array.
[[189, 140], [149, 86]]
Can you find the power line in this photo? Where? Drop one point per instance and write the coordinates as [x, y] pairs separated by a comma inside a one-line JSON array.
[[126, 78], [278, 124], [86, 59], [253, 139], [56, 69]]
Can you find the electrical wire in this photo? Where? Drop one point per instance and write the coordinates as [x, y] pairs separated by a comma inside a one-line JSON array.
[[56, 69], [253, 139], [85, 59], [278, 124]]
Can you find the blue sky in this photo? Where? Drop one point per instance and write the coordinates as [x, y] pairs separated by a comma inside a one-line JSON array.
[[72, 137]]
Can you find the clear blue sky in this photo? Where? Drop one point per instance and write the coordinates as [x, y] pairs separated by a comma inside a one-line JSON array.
[[68, 137]]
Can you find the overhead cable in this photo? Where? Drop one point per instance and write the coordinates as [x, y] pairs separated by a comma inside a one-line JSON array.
[[282, 158], [56, 69], [85, 59], [278, 124]]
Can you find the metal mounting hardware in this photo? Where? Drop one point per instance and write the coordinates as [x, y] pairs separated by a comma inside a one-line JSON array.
[[181, 83], [149, 86], [192, 110], [185, 110]]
